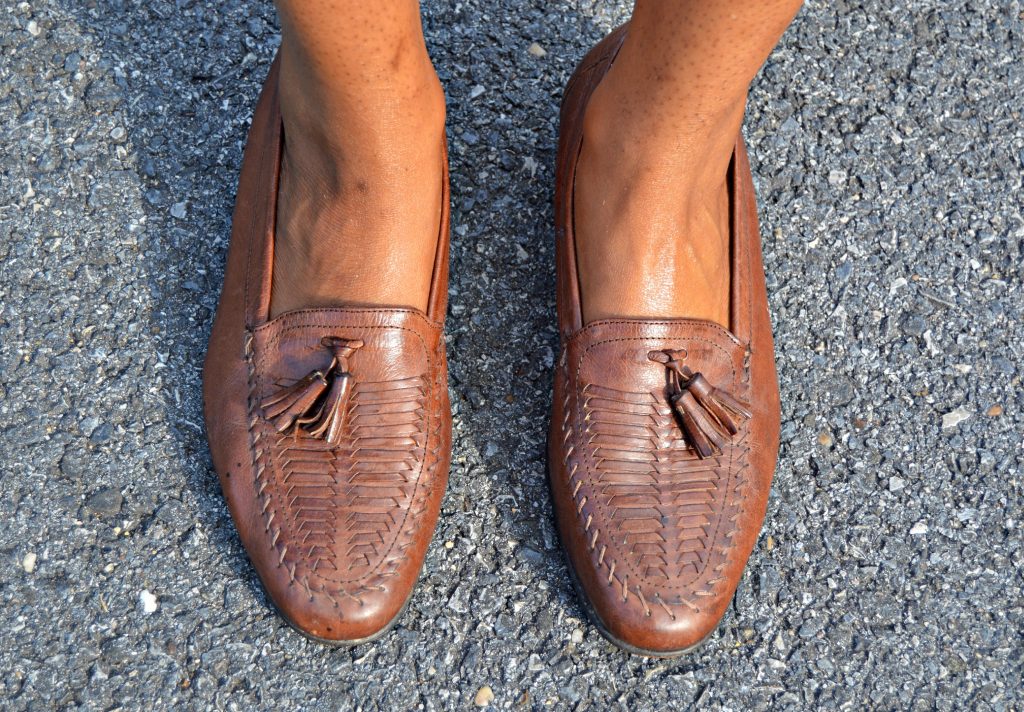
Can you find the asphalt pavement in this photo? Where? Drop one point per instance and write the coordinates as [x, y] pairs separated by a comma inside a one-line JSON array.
[[887, 144]]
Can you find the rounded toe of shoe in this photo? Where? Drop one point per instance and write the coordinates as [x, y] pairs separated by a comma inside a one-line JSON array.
[[654, 626], [337, 617]]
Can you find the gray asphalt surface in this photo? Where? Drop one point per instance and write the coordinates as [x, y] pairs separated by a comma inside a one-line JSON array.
[[887, 143]]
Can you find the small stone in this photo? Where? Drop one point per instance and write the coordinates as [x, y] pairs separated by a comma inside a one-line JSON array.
[[33, 28], [449, 545], [836, 177], [178, 211], [537, 51], [476, 91], [117, 133], [896, 484], [101, 434], [547, 357], [897, 284], [504, 625], [1003, 365], [155, 197], [148, 601], [105, 502], [531, 555], [810, 627], [484, 696], [74, 463], [89, 424], [769, 543], [83, 146], [919, 529], [955, 417], [235, 597], [458, 601], [994, 411], [986, 461], [780, 643], [825, 440], [29, 562], [967, 514], [175, 515], [102, 95], [915, 325], [577, 636], [48, 162]]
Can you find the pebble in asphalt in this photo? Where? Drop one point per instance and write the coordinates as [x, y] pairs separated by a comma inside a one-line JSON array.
[[887, 144]]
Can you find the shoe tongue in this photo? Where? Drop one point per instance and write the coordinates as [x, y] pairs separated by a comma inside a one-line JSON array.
[[397, 343], [617, 353]]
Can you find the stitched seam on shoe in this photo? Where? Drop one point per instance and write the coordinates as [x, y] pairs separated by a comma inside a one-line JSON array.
[[725, 550], [683, 321], [256, 451], [386, 557], [579, 367], [433, 325], [743, 485]]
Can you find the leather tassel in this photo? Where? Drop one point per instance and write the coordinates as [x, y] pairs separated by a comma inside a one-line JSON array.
[[304, 405], [284, 407], [708, 416], [701, 432], [328, 423], [718, 402]]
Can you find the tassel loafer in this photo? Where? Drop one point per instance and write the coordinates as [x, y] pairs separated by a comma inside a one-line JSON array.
[[330, 428], [664, 432]]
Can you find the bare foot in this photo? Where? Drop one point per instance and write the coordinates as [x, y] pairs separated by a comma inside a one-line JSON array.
[[651, 201], [652, 231], [359, 202]]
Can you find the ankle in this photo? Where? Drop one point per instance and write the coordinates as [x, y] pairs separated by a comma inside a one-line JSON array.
[[360, 167], [666, 145], [339, 132]]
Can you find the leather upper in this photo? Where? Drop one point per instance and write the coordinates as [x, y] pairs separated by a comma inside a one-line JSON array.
[[338, 530], [656, 534]]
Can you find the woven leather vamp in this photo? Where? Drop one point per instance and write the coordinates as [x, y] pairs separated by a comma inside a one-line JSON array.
[[661, 510], [340, 517], [341, 508], [659, 524]]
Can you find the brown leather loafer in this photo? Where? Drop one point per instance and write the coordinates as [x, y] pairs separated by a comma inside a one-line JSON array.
[[664, 433], [330, 428]]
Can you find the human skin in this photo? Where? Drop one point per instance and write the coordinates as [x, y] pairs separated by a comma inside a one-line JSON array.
[[359, 202], [363, 114]]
